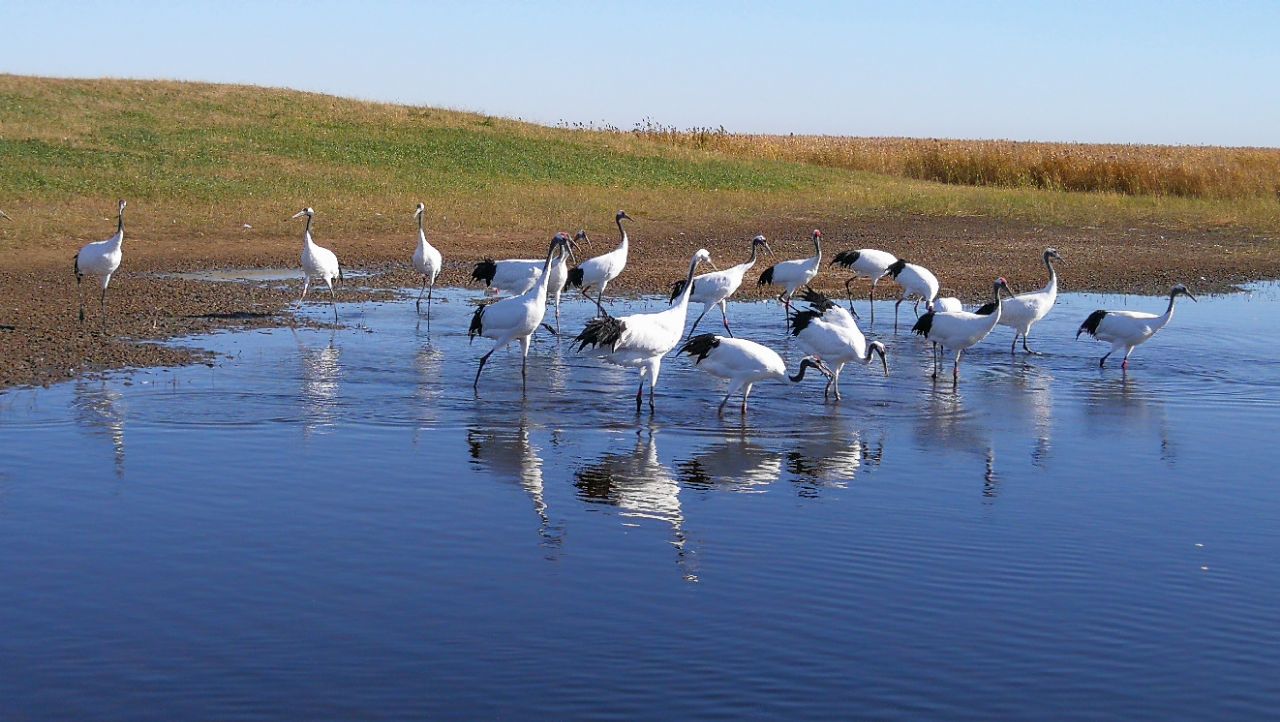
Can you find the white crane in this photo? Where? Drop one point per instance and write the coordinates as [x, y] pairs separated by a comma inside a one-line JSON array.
[[793, 274], [515, 318], [712, 289], [101, 259], [515, 276], [945, 304], [428, 261], [642, 339], [599, 271], [1026, 309], [743, 363], [317, 262], [1129, 329], [868, 263], [959, 330], [828, 332], [917, 282]]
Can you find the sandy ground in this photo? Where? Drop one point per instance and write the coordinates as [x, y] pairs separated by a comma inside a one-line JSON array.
[[42, 341]]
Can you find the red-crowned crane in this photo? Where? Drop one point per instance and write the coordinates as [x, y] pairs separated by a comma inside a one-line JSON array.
[[828, 332], [642, 339], [917, 283], [427, 261], [515, 318], [1129, 329], [866, 263], [743, 363], [101, 259], [1026, 309], [317, 262], [599, 271], [793, 274], [959, 330], [714, 289]]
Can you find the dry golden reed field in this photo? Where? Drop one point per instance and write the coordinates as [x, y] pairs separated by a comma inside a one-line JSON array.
[[1186, 171]]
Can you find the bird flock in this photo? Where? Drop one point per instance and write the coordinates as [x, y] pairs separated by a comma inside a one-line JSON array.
[[828, 333]]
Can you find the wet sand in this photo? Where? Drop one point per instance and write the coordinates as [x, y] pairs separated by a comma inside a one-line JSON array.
[[42, 342]]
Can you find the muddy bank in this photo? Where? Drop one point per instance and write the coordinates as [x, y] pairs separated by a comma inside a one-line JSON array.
[[42, 341]]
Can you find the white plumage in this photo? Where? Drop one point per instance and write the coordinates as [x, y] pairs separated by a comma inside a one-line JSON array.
[[599, 271], [744, 363], [866, 263], [714, 289], [1026, 309], [946, 304], [1129, 329], [641, 340], [828, 332], [515, 276], [917, 283], [959, 330], [516, 318], [101, 259], [427, 260], [793, 274], [317, 262]]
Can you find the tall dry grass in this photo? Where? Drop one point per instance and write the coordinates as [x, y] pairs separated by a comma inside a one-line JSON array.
[[1182, 171]]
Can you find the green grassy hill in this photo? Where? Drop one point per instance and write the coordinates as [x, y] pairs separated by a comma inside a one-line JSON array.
[[197, 153]]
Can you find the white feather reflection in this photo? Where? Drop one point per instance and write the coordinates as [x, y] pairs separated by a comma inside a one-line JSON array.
[[833, 456], [642, 487], [735, 464], [511, 454], [321, 383], [1123, 406], [101, 409]]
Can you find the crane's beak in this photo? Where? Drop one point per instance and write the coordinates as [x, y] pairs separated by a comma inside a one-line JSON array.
[[1193, 298], [767, 248], [712, 264], [299, 214], [5, 216]]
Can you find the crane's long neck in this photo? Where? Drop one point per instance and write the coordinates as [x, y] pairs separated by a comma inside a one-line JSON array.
[[306, 234], [682, 301], [422, 234], [817, 244], [755, 249], [994, 318], [623, 232], [1168, 312], [118, 238], [540, 288], [1052, 286]]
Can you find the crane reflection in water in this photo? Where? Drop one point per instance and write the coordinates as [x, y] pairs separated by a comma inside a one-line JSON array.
[[641, 487], [511, 454], [101, 409]]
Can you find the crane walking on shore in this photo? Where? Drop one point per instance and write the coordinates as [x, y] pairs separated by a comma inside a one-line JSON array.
[[317, 262], [101, 259]]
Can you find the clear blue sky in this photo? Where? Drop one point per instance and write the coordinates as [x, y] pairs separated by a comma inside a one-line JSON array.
[[1155, 72]]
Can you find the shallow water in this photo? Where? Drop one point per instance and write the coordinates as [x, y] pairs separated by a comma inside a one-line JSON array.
[[329, 524]]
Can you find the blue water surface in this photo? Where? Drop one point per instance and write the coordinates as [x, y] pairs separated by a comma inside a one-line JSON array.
[[330, 524]]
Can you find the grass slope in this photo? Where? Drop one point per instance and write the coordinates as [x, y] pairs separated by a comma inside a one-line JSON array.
[[201, 159]]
